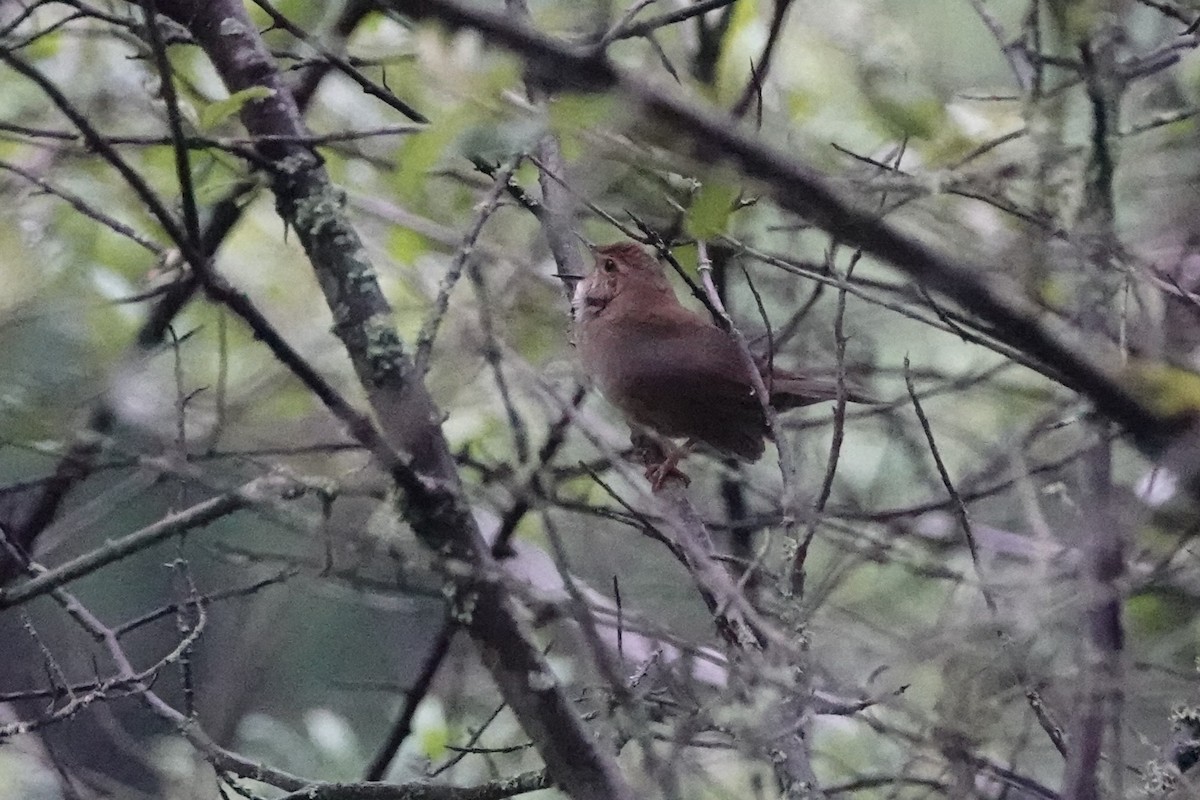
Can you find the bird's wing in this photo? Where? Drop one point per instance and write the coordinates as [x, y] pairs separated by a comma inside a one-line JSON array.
[[686, 378]]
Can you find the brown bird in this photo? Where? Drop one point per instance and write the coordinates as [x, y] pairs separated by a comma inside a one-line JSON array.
[[672, 371]]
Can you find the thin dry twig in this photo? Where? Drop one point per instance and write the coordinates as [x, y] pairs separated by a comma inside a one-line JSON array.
[[257, 491], [466, 251], [786, 460], [959, 508]]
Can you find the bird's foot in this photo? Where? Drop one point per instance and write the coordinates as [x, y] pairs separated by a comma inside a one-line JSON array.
[[660, 458], [659, 474]]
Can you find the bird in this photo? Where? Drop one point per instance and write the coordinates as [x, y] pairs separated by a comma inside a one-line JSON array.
[[672, 372]]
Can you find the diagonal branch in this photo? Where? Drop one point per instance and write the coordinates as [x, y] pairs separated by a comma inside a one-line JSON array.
[[256, 491], [430, 493]]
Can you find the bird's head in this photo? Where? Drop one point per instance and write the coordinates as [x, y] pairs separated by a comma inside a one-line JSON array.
[[620, 270]]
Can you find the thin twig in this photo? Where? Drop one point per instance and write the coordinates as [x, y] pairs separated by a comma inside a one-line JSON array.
[[670, 18], [88, 210], [259, 490], [758, 72], [466, 251], [787, 466], [414, 695], [493, 356], [183, 166], [835, 446], [959, 509]]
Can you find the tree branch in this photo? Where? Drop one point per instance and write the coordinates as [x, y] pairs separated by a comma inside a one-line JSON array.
[[430, 496]]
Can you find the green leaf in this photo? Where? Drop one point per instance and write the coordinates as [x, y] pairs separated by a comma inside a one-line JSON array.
[[571, 113], [420, 154], [406, 245], [709, 215], [44, 46], [1170, 390], [429, 725], [215, 113], [740, 46], [1157, 613], [689, 258], [921, 118], [214, 187]]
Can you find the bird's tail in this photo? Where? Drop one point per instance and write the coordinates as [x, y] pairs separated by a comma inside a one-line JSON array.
[[792, 390]]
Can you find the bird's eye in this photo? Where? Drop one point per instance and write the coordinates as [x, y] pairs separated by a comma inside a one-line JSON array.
[[610, 265]]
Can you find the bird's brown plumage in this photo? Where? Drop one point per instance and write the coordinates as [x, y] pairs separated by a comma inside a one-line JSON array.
[[670, 369]]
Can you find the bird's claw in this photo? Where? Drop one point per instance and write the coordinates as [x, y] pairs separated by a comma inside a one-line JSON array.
[[660, 459], [659, 474]]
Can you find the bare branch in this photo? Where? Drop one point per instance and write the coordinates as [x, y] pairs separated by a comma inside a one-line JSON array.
[[259, 490]]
